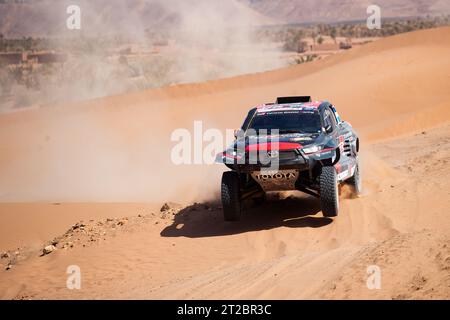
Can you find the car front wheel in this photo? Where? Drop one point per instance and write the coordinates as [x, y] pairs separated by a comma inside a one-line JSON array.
[[329, 193], [231, 196]]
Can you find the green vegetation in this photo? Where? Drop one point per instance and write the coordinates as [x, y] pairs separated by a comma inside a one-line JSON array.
[[304, 58], [292, 35], [293, 41], [320, 40]]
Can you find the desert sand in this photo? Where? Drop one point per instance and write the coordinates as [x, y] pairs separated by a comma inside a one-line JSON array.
[[107, 162]]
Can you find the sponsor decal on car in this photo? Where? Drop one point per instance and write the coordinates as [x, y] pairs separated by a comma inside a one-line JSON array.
[[344, 174], [276, 180]]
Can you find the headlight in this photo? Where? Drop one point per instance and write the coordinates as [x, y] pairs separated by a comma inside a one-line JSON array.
[[312, 149]]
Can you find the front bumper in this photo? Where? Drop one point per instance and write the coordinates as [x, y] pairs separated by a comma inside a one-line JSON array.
[[284, 160]]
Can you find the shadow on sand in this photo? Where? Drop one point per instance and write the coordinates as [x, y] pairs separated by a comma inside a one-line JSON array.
[[205, 220]]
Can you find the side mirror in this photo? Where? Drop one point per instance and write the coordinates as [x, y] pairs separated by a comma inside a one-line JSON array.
[[238, 133]]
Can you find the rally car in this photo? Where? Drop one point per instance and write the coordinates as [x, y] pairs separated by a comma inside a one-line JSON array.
[[292, 144]]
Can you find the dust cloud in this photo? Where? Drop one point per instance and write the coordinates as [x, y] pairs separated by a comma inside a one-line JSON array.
[[126, 46]]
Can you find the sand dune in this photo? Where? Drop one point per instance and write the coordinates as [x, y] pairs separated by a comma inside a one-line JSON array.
[[118, 149]]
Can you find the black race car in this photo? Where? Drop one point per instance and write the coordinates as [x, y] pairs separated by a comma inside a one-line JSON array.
[[293, 144]]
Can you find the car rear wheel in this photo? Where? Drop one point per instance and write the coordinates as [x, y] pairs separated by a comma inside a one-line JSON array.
[[329, 192], [355, 181], [231, 196]]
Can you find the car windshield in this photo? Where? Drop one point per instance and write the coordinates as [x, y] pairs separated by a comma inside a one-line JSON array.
[[287, 122]]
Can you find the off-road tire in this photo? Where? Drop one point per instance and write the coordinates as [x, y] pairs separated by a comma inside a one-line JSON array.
[[231, 196], [329, 193]]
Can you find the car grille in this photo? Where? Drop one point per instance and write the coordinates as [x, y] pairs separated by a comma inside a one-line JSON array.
[[287, 155], [282, 156]]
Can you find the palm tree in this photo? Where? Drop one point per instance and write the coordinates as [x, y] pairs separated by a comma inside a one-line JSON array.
[[333, 34], [314, 35], [2, 45], [320, 40]]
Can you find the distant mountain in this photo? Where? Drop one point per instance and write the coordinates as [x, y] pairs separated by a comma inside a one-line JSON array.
[[40, 18], [304, 11], [130, 17]]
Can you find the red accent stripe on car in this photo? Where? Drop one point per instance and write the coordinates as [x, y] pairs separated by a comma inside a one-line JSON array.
[[312, 104], [276, 146], [231, 156]]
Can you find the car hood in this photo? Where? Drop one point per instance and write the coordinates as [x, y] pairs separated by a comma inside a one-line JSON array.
[[289, 140]]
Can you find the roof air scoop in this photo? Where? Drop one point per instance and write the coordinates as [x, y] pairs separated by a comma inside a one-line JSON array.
[[296, 99]]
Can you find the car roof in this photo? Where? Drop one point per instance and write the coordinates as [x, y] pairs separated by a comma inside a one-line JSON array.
[[271, 107]]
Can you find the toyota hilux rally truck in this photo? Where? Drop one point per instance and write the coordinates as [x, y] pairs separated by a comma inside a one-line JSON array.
[[293, 144]]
